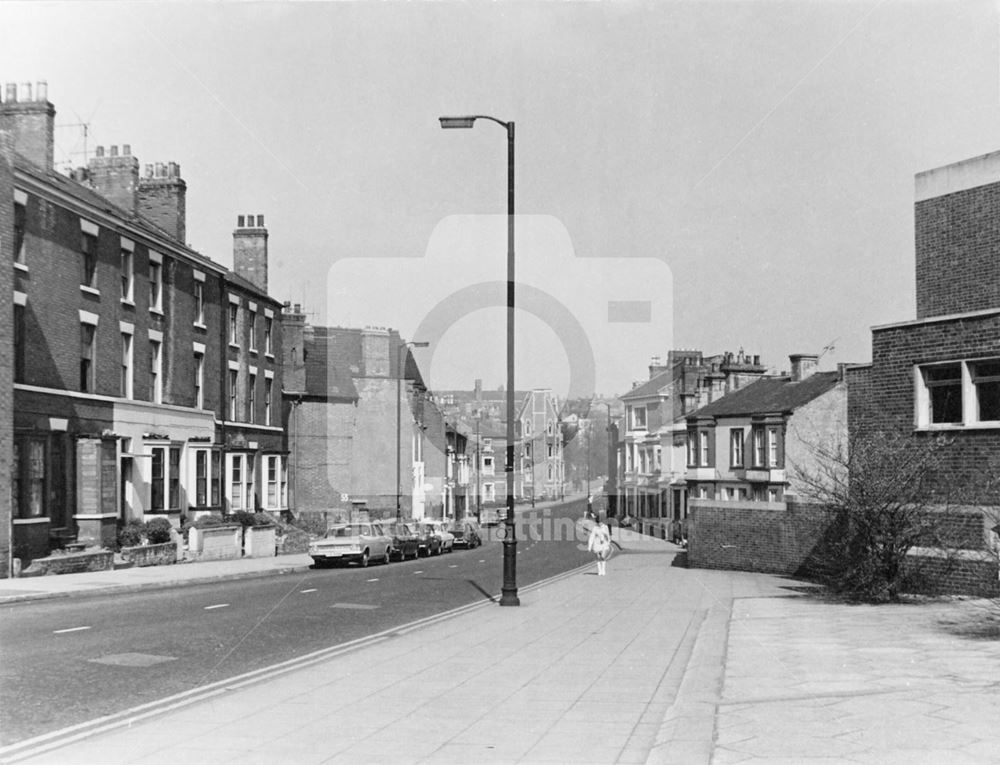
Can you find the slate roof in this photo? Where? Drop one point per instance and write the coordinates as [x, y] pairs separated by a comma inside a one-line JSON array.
[[769, 395], [651, 387]]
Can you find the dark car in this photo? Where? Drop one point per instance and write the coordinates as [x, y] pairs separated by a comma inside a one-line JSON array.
[[404, 541], [467, 534], [428, 542]]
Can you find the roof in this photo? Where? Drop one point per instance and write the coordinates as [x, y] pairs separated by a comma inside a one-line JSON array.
[[651, 387], [769, 395]]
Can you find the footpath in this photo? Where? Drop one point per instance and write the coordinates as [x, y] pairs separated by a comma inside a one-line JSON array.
[[653, 663]]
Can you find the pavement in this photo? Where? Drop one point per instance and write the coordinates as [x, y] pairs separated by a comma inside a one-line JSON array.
[[653, 663]]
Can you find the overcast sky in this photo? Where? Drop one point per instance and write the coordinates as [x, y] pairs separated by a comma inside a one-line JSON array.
[[748, 166]]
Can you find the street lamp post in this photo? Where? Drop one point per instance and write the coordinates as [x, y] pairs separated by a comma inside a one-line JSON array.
[[508, 590], [479, 464], [399, 424]]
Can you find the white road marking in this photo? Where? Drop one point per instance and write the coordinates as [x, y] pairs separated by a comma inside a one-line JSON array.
[[417, 572], [71, 629], [481, 560], [372, 580], [355, 606], [219, 605], [305, 591], [453, 566]]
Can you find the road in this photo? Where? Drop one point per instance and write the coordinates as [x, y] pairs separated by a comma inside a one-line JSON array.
[[67, 661]]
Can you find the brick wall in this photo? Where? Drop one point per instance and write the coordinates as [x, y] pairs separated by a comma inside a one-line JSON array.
[[737, 536], [957, 237], [882, 396], [6, 346]]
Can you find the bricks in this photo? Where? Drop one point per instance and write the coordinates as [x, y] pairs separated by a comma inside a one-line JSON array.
[[6, 342]]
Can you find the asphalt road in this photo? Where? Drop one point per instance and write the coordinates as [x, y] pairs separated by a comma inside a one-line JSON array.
[[68, 661]]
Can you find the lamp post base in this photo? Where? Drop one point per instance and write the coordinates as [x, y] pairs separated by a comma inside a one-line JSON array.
[[508, 592]]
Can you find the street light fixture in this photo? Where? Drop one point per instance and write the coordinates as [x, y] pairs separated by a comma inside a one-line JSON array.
[[399, 425], [508, 590]]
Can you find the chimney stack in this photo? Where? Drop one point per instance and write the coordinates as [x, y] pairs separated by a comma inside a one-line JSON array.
[[250, 250], [162, 198], [31, 122], [116, 178], [803, 365]]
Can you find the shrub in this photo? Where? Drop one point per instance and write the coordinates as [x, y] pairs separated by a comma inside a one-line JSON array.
[[130, 534], [158, 531], [247, 519], [311, 523], [208, 522]]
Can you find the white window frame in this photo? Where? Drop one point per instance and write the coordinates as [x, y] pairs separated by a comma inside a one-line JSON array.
[[199, 375], [252, 395], [234, 386], [252, 322], [772, 447], [233, 321], [268, 395], [268, 332], [213, 470], [128, 360], [155, 282], [736, 439], [275, 482], [246, 483], [970, 405], [703, 456], [156, 368], [128, 271], [638, 413]]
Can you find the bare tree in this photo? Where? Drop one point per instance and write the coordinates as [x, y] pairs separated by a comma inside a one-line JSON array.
[[888, 495]]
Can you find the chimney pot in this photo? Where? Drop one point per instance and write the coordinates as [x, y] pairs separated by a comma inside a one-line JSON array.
[[260, 221], [11, 97], [114, 151], [26, 91], [126, 150], [297, 308], [42, 91], [100, 151], [240, 221], [174, 170]]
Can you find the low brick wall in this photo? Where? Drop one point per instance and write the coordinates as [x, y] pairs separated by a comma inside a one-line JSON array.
[[71, 563], [739, 536], [151, 555], [215, 543]]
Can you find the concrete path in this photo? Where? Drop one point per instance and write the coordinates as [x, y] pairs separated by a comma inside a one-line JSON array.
[[653, 663]]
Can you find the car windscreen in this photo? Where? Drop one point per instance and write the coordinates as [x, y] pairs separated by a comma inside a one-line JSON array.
[[344, 531]]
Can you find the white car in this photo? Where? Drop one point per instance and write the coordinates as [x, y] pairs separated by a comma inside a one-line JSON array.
[[360, 542], [440, 530]]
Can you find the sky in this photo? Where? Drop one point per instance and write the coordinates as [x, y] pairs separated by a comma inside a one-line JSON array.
[[709, 175]]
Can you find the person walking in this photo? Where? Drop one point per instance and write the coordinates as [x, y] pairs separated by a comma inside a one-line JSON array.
[[600, 544]]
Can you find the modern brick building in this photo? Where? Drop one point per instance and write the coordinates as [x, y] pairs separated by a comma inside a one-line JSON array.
[[146, 377], [940, 372]]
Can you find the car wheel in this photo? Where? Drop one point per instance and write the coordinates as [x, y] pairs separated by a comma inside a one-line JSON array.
[[364, 559], [388, 554]]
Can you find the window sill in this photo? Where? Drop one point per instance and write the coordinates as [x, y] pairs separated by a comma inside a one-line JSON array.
[[269, 356], [127, 303], [252, 350], [156, 312], [958, 426], [23, 268], [90, 290], [199, 325]]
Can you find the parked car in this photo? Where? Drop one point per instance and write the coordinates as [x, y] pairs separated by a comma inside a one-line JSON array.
[[404, 541], [440, 529], [428, 542], [466, 533], [359, 542]]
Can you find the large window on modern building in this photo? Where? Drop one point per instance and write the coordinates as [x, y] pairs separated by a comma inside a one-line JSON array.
[[944, 389], [986, 386], [88, 335], [736, 447], [88, 249]]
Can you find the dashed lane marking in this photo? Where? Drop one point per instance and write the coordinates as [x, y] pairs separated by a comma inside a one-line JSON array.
[[417, 572], [70, 629], [305, 591], [354, 606], [372, 580], [453, 565], [217, 605]]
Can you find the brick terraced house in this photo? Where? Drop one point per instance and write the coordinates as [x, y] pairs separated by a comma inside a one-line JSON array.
[[146, 377], [748, 445]]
